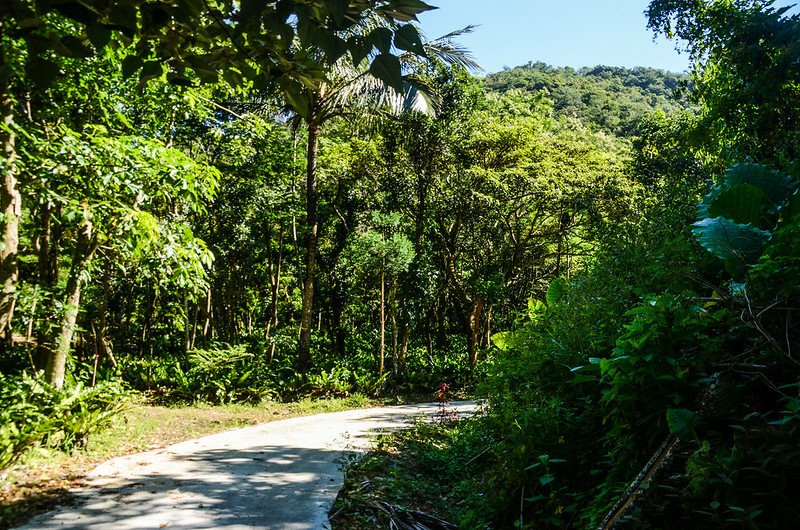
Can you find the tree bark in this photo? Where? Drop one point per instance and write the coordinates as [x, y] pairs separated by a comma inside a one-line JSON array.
[[11, 207], [304, 343], [275, 280], [474, 331], [383, 323], [393, 320], [56, 365]]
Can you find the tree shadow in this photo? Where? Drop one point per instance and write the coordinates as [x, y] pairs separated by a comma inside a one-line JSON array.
[[251, 485]]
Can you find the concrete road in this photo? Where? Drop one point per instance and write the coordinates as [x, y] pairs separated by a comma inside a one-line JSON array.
[[283, 475]]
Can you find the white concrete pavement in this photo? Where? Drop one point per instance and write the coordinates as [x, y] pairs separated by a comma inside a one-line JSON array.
[[279, 475]]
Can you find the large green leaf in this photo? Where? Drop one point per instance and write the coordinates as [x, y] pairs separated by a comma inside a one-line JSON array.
[[381, 38], [386, 67], [407, 38], [333, 46], [732, 242], [740, 203], [359, 48], [682, 423], [556, 291], [776, 186], [337, 10]]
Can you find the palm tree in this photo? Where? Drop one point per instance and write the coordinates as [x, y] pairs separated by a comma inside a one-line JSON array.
[[355, 88]]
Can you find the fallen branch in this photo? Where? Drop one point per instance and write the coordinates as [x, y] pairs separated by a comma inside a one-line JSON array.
[[403, 519]]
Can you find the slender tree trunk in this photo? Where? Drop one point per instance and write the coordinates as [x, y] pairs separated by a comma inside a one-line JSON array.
[[406, 335], [46, 279], [194, 324], [207, 322], [383, 322], [304, 343], [187, 330], [11, 207], [272, 322], [56, 365], [474, 331], [393, 320]]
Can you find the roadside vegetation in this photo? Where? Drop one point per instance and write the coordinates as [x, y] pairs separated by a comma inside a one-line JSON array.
[[657, 385], [258, 203]]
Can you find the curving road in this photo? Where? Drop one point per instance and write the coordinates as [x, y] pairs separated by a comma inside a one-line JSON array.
[[283, 475]]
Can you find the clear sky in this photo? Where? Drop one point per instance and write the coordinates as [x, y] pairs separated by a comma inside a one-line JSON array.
[[559, 32]]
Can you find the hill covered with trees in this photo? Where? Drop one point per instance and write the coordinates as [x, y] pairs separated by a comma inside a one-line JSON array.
[[610, 98]]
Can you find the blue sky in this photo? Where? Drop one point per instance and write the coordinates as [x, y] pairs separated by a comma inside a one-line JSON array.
[[559, 32]]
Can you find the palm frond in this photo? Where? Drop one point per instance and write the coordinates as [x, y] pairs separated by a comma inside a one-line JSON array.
[[448, 51]]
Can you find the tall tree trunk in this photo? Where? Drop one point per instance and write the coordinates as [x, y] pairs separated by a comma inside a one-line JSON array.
[[393, 320], [187, 329], [405, 336], [304, 343], [207, 329], [46, 278], [474, 331], [11, 207], [383, 322], [275, 283], [56, 365]]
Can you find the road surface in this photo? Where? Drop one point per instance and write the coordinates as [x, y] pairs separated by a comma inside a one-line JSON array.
[[283, 475]]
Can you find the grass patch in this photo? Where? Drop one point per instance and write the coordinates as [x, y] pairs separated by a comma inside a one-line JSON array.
[[43, 479], [427, 475]]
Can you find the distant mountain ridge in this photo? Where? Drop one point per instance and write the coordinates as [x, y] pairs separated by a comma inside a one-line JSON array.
[[609, 98]]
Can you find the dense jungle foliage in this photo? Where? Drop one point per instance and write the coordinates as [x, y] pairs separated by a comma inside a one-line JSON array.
[[348, 209]]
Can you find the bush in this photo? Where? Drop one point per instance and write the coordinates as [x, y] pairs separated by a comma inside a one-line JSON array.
[[33, 413]]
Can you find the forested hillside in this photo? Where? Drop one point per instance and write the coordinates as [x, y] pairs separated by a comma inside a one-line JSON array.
[[609, 98], [269, 201]]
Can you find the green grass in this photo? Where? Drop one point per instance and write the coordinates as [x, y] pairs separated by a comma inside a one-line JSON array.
[[426, 471]]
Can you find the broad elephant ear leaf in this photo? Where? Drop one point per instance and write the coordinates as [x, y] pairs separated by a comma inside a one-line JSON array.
[[735, 244], [776, 186], [740, 203]]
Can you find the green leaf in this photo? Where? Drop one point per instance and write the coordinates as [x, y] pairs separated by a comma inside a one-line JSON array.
[[76, 11], [179, 80], [503, 340], [130, 65], [76, 47], [124, 18], [775, 185], [151, 70], [42, 72], [733, 243], [387, 68], [333, 46], [682, 423], [546, 479], [381, 38], [740, 203], [297, 99], [359, 48], [98, 35], [338, 11], [407, 10], [556, 291], [407, 38]]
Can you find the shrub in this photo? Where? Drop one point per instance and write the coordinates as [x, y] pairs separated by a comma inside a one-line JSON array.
[[33, 413]]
